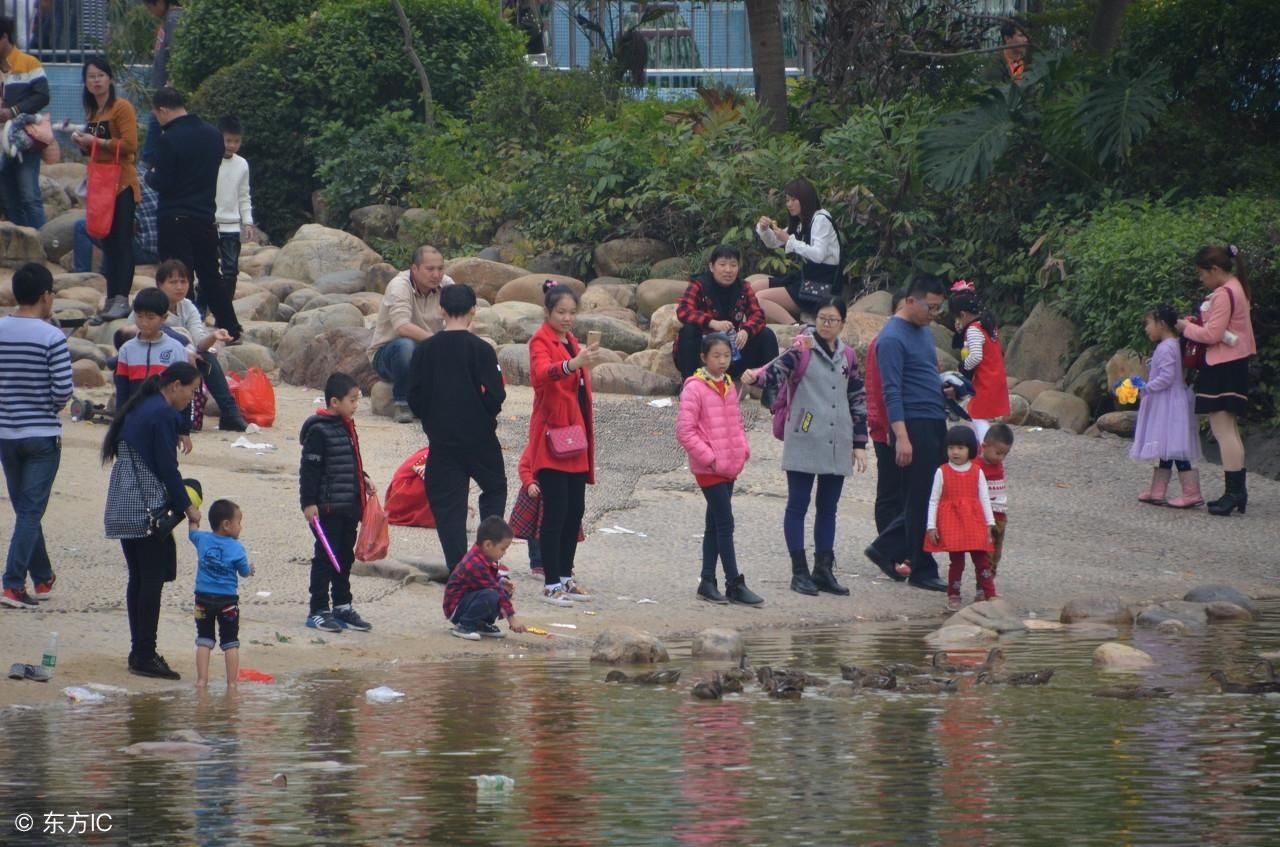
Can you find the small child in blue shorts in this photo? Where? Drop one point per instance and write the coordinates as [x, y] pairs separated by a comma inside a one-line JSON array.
[[221, 558]]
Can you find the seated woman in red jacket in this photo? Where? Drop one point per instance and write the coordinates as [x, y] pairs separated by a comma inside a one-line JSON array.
[[562, 444], [720, 300]]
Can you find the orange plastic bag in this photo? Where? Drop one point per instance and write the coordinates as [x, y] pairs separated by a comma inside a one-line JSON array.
[[255, 396], [375, 533]]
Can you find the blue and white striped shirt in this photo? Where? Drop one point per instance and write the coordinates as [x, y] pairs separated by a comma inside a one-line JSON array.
[[35, 378]]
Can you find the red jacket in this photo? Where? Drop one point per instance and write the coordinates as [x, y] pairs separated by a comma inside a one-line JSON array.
[[555, 404], [877, 420]]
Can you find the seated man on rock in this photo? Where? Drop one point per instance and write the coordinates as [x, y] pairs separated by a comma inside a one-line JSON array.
[[410, 312], [720, 300]]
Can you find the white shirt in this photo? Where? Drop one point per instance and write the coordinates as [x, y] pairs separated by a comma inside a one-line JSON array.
[[235, 206], [974, 344], [823, 246], [936, 495]]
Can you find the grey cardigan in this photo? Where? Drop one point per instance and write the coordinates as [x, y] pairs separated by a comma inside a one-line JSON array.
[[827, 418]]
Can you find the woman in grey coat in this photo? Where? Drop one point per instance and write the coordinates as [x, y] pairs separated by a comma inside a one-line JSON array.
[[825, 438]]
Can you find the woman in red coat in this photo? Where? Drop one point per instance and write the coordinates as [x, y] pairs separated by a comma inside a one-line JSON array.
[[562, 442]]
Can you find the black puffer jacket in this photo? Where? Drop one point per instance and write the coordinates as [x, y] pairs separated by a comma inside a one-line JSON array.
[[330, 474]]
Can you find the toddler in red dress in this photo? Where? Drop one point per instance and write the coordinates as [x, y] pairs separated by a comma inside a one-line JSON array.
[[960, 517]]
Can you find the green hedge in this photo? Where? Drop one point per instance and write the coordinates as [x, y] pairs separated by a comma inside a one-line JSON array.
[[216, 33]]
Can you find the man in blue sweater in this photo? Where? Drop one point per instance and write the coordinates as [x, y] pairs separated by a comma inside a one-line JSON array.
[[917, 417]]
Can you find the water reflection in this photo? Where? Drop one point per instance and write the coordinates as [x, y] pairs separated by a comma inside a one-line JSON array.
[[598, 764]]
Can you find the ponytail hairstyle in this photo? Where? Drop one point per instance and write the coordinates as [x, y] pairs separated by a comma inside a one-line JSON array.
[[180, 372], [1164, 314], [553, 292], [967, 300], [1226, 259], [802, 190]]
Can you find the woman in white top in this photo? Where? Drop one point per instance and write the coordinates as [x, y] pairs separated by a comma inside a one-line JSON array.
[[811, 235]]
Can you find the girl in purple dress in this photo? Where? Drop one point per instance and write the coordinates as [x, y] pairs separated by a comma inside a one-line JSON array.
[[1166, 431]]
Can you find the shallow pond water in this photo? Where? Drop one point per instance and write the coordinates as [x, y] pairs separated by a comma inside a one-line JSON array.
[[603, 764]]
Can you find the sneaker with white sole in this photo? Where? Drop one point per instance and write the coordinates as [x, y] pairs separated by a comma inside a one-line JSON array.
[[490, 630], [467, 634], [18, 598], [575, 592], [349, 618], [324, 622], [556, 597], [44, 589]]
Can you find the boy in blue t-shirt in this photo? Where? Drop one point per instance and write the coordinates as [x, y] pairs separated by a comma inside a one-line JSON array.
[[220, 558]]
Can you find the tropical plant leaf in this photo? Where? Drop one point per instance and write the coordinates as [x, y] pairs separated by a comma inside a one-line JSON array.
[[964, 147], [1119, 111]]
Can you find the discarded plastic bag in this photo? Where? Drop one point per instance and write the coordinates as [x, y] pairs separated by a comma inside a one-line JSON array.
[[250, 675], [76, 694], [374, 539], [255, 396], [406, 503], [383, 694]]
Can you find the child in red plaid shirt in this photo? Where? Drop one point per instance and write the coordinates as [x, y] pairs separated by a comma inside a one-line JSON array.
[[476, 595]]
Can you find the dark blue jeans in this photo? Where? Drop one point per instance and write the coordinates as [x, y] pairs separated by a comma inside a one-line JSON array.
[[392, 362], [30, 464], [799, 489], [535, 553], [475, 609], [20, 190], [717, 537], [82, 251]]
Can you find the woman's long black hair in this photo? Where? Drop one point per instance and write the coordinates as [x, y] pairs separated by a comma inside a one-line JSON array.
[[802, 190], [177, 372], [90, 102]]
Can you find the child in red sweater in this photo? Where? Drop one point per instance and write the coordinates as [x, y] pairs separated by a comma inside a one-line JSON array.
[[995, 448], [476, 594]]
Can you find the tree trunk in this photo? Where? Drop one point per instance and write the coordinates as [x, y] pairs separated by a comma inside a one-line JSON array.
[[428, 116], [764, 20], [1104, 32]]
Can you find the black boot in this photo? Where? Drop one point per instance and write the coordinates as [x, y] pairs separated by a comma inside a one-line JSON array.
[[1236, 496], [739, 593], [823, 577], [800, 581], [708, 591]]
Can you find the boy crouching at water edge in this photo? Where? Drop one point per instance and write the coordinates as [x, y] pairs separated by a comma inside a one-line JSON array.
[[220, 559], [333, 487], [476, 595], [996, 445]]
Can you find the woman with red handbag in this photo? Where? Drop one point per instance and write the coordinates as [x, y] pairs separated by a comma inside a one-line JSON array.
[[1222, 381], [111, 141], [561, 448]]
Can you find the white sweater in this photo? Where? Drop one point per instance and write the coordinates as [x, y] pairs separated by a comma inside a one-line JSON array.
[[235, 206]]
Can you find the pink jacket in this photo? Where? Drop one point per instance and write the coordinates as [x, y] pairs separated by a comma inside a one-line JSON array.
[[1226, 312], [709, 428]]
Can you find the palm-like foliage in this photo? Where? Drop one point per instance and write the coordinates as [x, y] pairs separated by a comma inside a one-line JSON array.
[[1119, 110], [965, 146]]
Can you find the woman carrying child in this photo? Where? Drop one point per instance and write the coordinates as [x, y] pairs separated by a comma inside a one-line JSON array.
[[709, 428], [960, 516], [1166, 431], [825, 438], [981, 359], [143, 441]]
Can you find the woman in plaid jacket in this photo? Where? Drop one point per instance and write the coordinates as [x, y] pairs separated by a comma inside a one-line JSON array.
[[719, 300]]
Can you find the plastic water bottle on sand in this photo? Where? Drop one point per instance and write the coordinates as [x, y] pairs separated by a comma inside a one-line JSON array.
[[494, 782], [50, 653]]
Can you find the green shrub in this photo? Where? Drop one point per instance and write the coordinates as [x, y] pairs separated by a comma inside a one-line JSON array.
[[216, 33], [535, 106], [351, 176]]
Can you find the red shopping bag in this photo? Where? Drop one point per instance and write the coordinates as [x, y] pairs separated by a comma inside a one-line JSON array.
[[255, 396], [407, 494], [103, 182], [375, 535]]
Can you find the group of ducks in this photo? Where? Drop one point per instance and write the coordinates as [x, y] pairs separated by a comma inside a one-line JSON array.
[[1271, 685]]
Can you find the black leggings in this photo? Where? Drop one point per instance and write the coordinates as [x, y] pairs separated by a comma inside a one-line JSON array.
[[717, 536], [152, 562], [1167, 464], [564, 497], [118, 246]]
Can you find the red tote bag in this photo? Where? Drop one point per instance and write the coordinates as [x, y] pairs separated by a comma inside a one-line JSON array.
[[102, 185]]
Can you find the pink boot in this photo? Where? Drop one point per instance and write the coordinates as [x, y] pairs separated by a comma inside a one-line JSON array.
[[1190, 496], [1155, 494]]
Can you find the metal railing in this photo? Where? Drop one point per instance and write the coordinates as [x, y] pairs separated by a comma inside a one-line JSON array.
[[58, 31]]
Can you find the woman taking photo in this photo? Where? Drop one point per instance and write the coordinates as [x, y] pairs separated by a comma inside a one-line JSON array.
[[143, 441], [561, 448], [810, 234], [113, 129], [825, 438], [1222, 382]]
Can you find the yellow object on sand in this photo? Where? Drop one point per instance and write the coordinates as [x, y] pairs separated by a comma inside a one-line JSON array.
[[535, 630]]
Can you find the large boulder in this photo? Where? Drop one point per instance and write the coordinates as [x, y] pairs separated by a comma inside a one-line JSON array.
[[612, 257], [653, 294], [657, 361], [859, 329], [63, 282], [484, 277], [1222, 594], [1030, 389], [612, 296], [1113, 656], [279, 286], [489, 324], [1059, 410], [414, 224], [316, 250], [1040, 344], [324, 300], [716, 643], [554, 262], [875, 303], [312, 361], [1019, 408], [624, 645], [514, 361], [267, 333], [1125, 364], [86, 373], [626, 378], [19, 245], [368, 302], [996, 614], [301, 297], [1101, 608], [664, 326], [341, 282], [259, 262], [82, 294], [528, 288], [58, 234], [240, 358], [83, 348], [614, 334], [521, 320], [378, 221], [257, 307], [1191, 614], [673, 268], [305, 326], [1118, 423], [377, 276], [57, 199], [1087, 377]]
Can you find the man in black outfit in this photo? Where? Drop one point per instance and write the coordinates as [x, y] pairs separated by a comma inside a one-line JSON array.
[[456, 390], [184, 173]]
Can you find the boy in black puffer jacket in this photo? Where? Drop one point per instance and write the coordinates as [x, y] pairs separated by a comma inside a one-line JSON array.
[[333, 488]]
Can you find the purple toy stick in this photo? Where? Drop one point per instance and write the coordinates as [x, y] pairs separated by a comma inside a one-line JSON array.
[[315, 527]]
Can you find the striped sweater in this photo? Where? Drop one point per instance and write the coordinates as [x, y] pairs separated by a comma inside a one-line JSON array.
[[26, 88], [140, 359], [35, 378]]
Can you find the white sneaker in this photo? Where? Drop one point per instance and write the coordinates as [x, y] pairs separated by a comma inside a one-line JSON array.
[[574, 592], [469, 635], [555, 597]]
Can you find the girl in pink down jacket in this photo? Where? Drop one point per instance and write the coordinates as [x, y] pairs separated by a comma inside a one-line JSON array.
[[709, 428]]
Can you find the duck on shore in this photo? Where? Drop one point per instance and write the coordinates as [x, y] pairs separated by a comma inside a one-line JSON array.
[[1228, 686], [667, 677]]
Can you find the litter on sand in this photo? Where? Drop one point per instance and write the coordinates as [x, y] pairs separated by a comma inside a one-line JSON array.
[[76, 694], [565, 625], [263, 594], [252, 428], [644, 600], [252, 445], [536, 630], [103, 688], [661, 403], [250, 675], [383, 694]]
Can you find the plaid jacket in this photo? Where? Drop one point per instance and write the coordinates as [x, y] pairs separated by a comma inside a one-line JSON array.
[[696, 307], [526, 516], [475, 573]]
